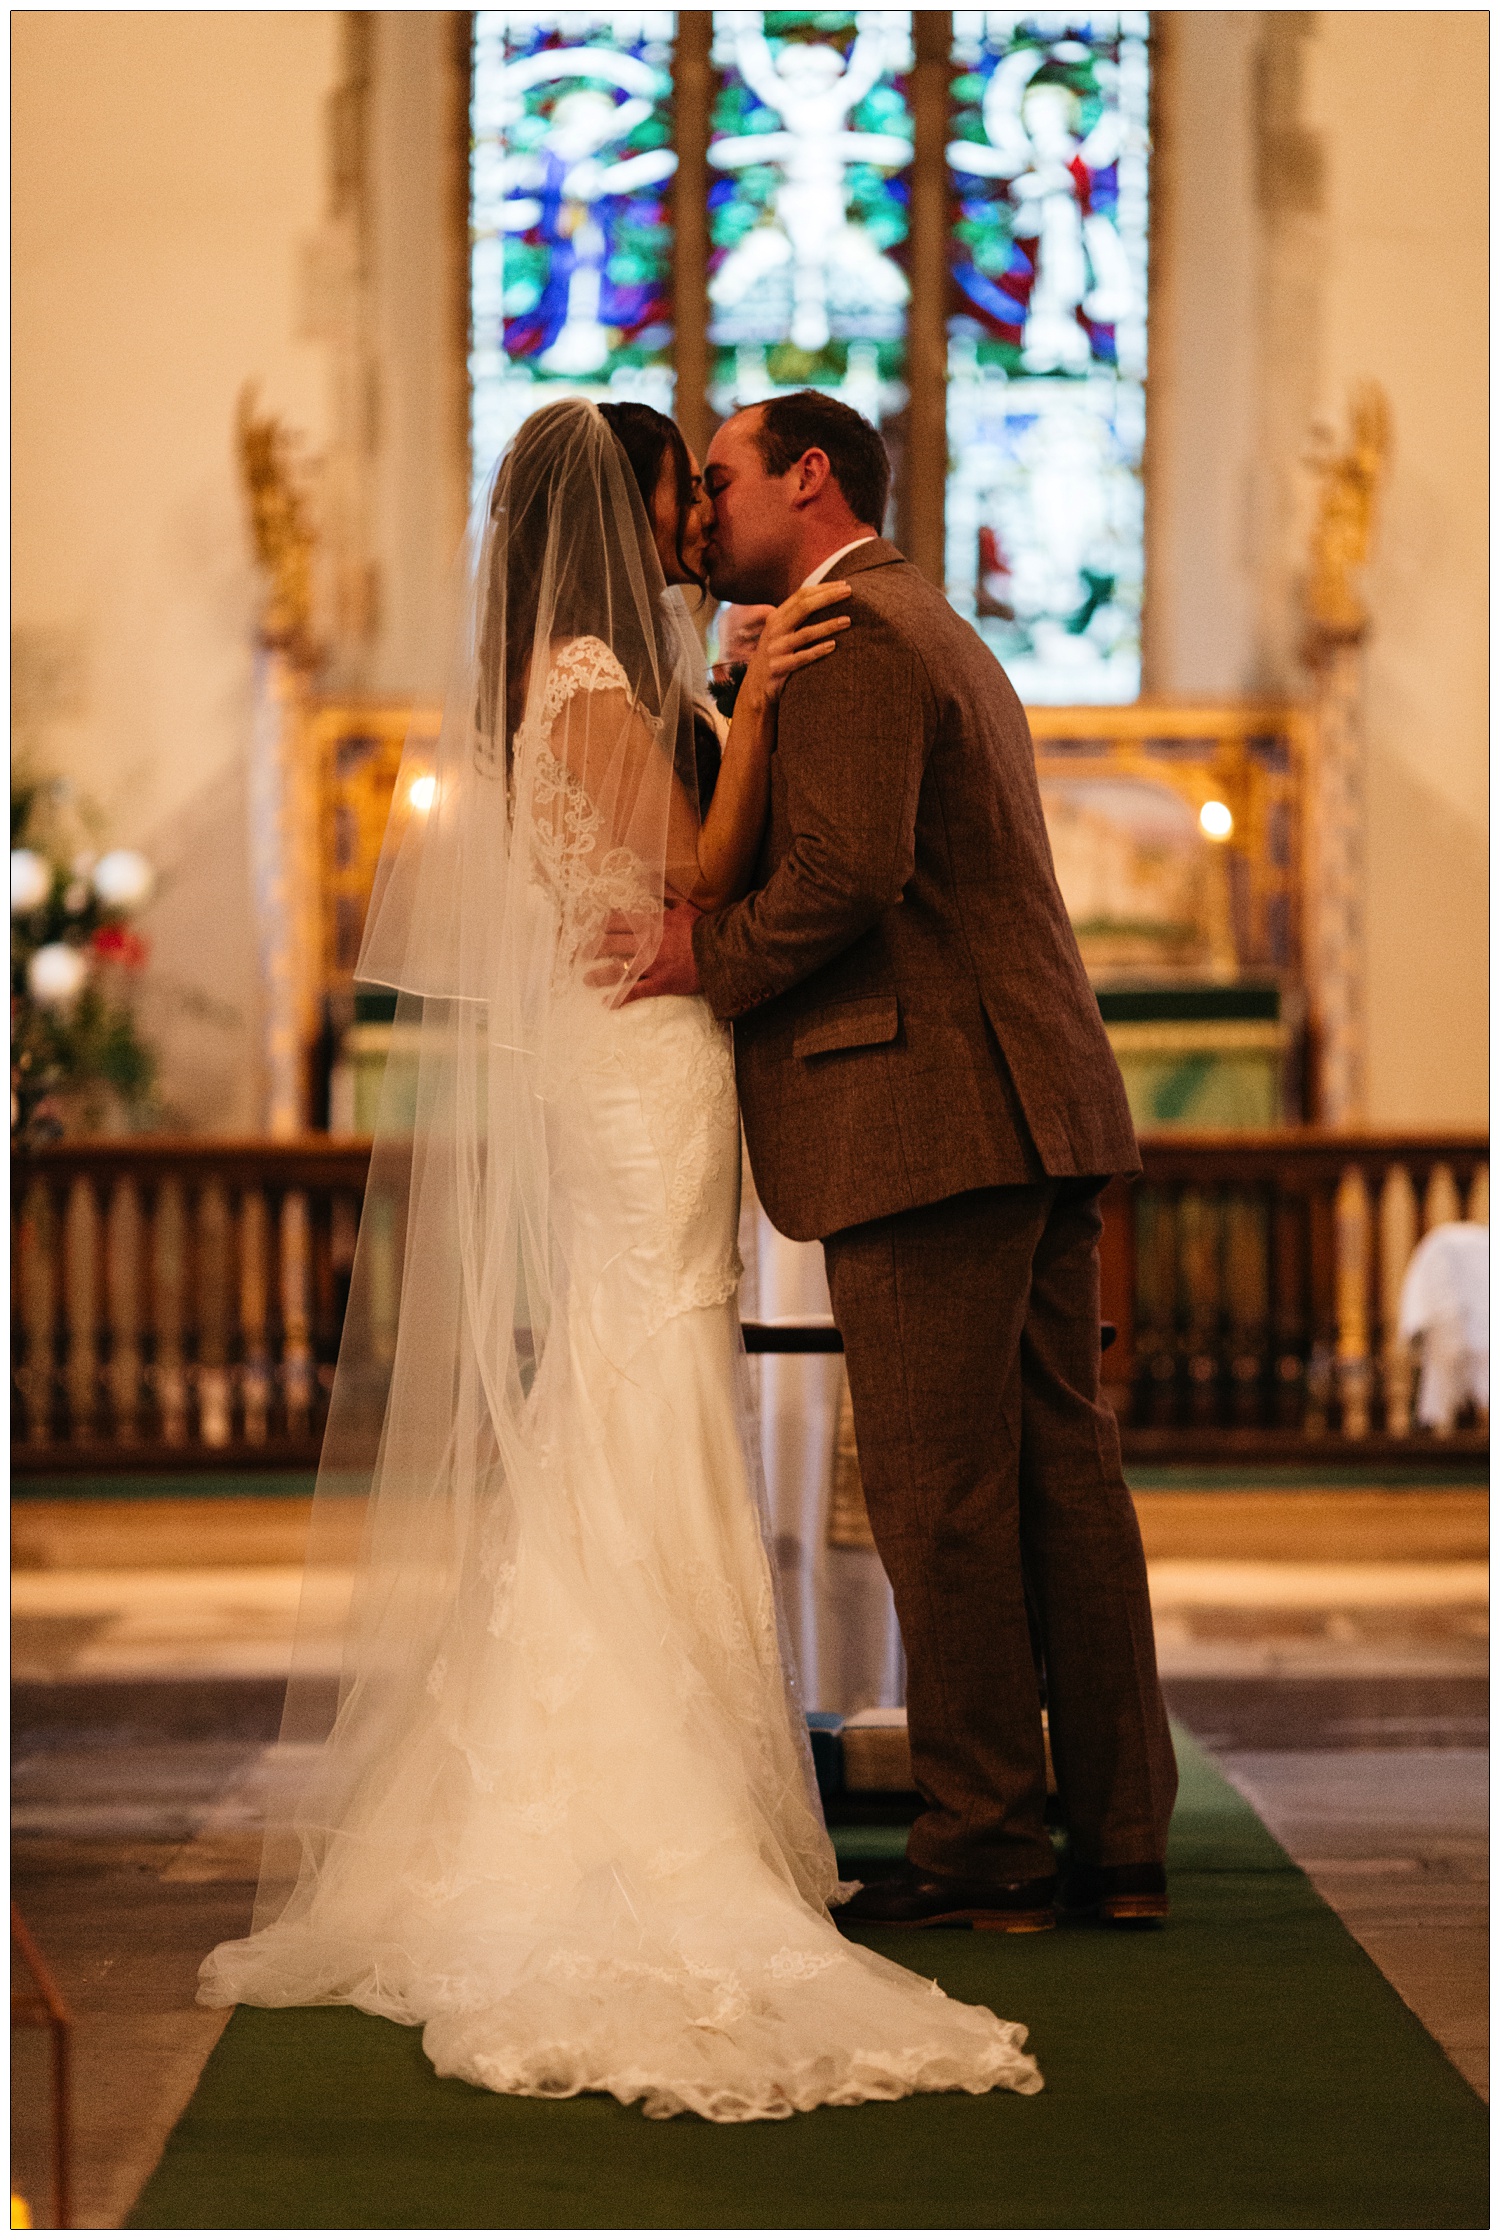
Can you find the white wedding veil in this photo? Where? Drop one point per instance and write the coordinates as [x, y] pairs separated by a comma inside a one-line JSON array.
[[556, 1802], [545, 810]]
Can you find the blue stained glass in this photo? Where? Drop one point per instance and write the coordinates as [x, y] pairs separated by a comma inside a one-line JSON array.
[[809, 157], [571, 232], [1048, 168]]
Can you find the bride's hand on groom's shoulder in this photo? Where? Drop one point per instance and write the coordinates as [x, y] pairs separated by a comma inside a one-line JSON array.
[[790, 640], [672, 971]]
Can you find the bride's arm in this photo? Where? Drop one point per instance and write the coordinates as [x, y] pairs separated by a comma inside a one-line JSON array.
[[718, 868]]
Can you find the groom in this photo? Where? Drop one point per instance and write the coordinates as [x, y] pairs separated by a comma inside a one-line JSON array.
[[927, 1087]]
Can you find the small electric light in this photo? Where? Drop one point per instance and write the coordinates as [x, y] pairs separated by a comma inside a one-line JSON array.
[[1216, 820], [123, 880], [30, 881], [56, 974], [421, 793]]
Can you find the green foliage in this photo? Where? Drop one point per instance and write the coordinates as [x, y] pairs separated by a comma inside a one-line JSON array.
[[77, 1066]]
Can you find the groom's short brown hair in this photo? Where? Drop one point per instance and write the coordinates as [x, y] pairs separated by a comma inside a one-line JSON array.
[[807, 420]]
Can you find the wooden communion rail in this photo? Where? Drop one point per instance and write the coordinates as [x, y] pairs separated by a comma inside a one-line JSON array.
[[178, 1302]]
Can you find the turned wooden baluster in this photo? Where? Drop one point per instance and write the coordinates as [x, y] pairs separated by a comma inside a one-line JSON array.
[[1248, 1294], [255, 1301], [37, 1252], [1441, 1202], [1398, 1237], [1290, 1292], [169, 1239], [1353, 1239], [1200, 1232], [1322, 1312], [296, 1284], [1155, 1301], [81, 1259], [385, 1276], [343, 1236], [215, 1426], [124, 1236]]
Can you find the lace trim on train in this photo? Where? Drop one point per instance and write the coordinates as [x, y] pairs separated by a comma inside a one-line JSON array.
[[824, 2077]]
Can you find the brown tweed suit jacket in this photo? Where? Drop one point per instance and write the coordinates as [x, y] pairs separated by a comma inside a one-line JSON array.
[[911, 1014]]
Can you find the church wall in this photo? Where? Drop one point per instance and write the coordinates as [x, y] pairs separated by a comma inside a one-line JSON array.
[[1319, 196], [418, 187], [167, 168], [1321, 188], [1200, 617], [1399, 100]]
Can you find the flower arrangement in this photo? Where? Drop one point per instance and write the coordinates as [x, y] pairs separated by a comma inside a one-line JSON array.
[[78, 1059]]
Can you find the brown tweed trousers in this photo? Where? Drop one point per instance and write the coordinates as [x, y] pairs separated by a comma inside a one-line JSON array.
[[927, 1087]]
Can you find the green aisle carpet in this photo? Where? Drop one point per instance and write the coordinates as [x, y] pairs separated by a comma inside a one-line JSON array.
[[1245, 2066]]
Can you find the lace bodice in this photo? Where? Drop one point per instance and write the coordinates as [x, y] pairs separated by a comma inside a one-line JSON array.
[[570, 857]]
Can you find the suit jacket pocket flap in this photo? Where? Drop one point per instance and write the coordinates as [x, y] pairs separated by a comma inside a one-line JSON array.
[[849, 1026]]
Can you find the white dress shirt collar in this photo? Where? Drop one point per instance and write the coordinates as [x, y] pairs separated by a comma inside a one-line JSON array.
[[821, 573]]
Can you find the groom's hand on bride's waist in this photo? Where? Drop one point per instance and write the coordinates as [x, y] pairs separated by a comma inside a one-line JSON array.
[[672, 971]]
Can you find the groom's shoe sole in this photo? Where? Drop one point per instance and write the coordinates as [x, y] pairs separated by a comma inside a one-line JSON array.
[[1015, 1924], [1012, 1924], [1134, 1912], [907, 1901], [1138, 1899]]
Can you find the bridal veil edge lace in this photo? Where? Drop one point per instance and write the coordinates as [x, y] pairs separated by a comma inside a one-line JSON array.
[[557, 1806]]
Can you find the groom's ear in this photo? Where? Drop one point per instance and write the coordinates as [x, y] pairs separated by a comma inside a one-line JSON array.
[[813, 474]]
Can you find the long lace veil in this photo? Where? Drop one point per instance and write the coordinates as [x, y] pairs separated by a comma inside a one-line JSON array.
[[545, 809]]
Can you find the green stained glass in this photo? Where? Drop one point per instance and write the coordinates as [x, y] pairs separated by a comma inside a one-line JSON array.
[[809, 162], [571, 235], [1048, 168]]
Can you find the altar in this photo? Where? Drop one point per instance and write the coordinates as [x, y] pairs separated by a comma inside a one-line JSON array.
[[1177, 833]]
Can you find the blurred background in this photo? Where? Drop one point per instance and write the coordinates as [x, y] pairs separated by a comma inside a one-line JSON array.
[[1175, 325]]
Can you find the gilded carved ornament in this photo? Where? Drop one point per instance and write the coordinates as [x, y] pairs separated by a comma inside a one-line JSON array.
[[279, 525], [1348, 483]]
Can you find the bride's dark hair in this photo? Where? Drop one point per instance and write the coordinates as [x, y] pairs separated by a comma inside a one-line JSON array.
[[647, 437], [566, 481]]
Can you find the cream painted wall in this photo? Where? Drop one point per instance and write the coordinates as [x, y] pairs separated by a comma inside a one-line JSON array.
[[1400, 100], [1322, 195], [171, 169], [1204, 370], [420, 276], [167, 168]]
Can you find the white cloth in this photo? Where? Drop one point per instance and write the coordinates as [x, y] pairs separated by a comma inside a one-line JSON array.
[[840, 1612], [825, 568], [589, 1856], [1445, 1307]]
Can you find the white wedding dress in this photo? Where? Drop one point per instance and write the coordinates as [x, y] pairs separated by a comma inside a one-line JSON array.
[[623, 1877]]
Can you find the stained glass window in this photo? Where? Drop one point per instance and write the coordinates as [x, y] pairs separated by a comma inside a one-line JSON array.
[[1048, 170], [809, 163], [571, 243]]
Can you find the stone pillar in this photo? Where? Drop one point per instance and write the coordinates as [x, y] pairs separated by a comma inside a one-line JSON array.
[[283, 878], [283, 805], [926, 463], [1335, 629], [1334, 887]]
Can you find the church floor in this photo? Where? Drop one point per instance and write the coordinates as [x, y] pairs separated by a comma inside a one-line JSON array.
[[1345, 1699]]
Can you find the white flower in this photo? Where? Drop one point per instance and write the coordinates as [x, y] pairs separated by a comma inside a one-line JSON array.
[[56, 973], [30, 881], [76, 897], [123, 880]]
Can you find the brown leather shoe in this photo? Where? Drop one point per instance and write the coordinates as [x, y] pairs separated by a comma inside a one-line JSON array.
[[918, 1899], [1125, 1896]]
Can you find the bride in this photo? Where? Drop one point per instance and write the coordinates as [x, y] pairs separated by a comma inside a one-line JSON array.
[[563, 1816]]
